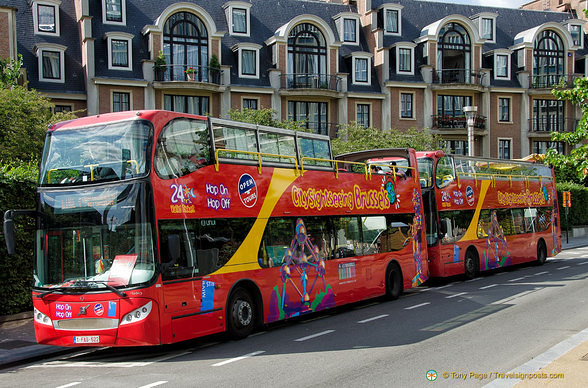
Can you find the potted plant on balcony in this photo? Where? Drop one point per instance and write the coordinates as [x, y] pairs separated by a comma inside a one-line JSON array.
[[215, 69], [190, 73], [159, 66]]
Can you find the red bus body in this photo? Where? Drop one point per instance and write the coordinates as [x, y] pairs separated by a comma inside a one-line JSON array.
[[504, 216], [162, 311]]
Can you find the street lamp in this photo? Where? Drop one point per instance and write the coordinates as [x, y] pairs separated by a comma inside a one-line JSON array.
[[470, 112]]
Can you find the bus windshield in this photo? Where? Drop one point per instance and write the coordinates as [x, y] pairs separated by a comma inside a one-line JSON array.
[[94, 238], [107, 152]]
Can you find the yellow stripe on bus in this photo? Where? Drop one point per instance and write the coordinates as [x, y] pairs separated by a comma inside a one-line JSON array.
[[472, 232], [246, 256]]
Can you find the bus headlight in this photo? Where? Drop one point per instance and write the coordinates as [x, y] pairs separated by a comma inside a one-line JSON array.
[[137, 314], [42, 318]]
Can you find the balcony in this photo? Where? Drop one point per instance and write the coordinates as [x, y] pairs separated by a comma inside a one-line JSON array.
[[178, 73], [549, 81], [446, 122], [311, 81], [458, 76], [548, 124]]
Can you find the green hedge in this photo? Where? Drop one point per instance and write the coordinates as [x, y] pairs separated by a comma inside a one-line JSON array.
[[17, 191], [578, 213]]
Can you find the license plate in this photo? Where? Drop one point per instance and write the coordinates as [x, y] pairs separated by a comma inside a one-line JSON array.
[[86, 339]]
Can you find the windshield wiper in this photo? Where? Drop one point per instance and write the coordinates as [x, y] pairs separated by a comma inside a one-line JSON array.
[[104, 282], [51, 291]]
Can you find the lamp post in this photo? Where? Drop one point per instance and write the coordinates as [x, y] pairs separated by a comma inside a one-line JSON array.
[[470, 112]]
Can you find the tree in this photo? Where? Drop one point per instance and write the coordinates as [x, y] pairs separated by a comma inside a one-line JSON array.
[[577, 161], [353, 137]]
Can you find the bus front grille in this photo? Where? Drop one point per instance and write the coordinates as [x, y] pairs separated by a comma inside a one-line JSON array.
[[86, 324]]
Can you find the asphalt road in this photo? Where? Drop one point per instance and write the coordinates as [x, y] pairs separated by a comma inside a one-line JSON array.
[[490, 324]]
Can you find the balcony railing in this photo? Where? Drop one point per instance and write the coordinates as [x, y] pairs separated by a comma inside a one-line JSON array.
[[548, 124], [311, 81], [458, 76], [544, 81], [459, 122], [188, 73]]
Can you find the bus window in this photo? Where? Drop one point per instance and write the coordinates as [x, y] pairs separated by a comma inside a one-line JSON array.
[[397, 234], [426, 172], [444, 174], [371, 230], [518, 221], [238, 139], [530, 216], [277, 144], [276, 240], [182, 148], [347, 237], [457, 223], [543, 222]]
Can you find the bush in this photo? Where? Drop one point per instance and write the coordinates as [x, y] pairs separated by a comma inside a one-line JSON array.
[[17, 191], [578, 213]]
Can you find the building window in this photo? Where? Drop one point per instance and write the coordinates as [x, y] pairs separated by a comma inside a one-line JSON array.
[[548, 116], [541, 147], [185, 44], [114, 11], [487, 29], [46, 17], [501, 67], [239, 21], [121, 101], [406, 106], [391, 21], [350, 30], [504, 109], [250, 103], [577, 34], [454, 54], [452, 106], [195, 105], [62, 108], [363, 115], [504, 149], [457, 147], [248, 54], [248, 62], [51, 62], [307, 51], [119, 50], [405, 60], [314, 114], [548, 59], [361, 74]]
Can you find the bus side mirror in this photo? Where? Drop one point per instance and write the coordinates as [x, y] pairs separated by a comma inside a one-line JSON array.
[[9, 232], [173, 248]]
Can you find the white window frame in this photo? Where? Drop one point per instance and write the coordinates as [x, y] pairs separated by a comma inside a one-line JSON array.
[[228, 7], [498, 140], [123, 10], [42, 47], [493, 20], [498, 110], [35, 8], [354, 59], [110, 36], [243, 98], [400, 93], [239, 48], [581, 33], [406, 46], [129, 92], [504, 54], [398, 9], [357, 104]]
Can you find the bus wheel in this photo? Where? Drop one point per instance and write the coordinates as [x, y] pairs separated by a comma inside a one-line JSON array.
[[541, 253], [241, 314], [470, 264], [393, 282]]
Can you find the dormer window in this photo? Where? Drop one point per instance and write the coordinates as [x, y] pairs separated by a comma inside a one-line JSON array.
[[361, 64], [502, 64], [248, 54], [348, 27], [577, 34], [51, 59], [119, 50], [238, 17], [389, 18], [350, 30], [486, 22], [114, 12], [404, 58], [46, 17], [391, 21]]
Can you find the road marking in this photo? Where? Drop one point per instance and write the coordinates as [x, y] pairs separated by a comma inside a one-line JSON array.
[[516, 279], [455, 295], [586, 262], [105, 364], [417, 305], [541, 273], [155, 384], [239, 358], [490, 286], [314, 335], [70, 384], [473, 280], [442, 287], [373, 319], [564, 267]]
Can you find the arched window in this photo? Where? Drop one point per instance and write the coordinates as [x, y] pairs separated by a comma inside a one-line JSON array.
[[548, 59], [307, 56], [454, 54], [185, 46]]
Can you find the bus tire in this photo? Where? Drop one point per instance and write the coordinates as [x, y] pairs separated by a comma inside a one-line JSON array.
[[541, 253], [470, 264], [241, 314], [394, 286]]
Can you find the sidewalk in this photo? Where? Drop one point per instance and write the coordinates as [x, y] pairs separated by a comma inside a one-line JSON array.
[[18, 344]]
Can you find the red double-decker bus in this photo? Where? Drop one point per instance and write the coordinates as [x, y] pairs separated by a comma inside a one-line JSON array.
[[482, 214], [156, 227]]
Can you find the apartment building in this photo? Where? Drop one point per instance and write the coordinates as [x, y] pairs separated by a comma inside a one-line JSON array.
[[385, 64]]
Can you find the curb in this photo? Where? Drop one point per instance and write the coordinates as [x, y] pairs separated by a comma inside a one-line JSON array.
[[16, 317]]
